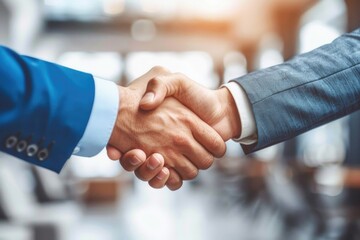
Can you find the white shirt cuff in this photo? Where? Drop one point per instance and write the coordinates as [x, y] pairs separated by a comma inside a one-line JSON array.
[[102, 119], [248, 126]]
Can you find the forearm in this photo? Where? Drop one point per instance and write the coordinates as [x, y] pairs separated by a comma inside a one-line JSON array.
[[44, 105], [310, 90]]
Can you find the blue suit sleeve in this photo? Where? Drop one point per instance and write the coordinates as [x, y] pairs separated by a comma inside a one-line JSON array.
[[44, 109], [310, 90]]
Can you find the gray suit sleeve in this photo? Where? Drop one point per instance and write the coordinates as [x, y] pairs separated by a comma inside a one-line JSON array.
[[308, 91]]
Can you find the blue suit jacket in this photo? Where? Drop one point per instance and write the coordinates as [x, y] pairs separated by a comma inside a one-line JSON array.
[[310, 90], [44, 109]]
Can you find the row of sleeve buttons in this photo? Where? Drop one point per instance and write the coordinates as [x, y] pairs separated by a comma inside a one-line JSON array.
[[23, 145]]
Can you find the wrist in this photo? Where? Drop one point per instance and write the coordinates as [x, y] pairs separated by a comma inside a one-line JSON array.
[[125, 111], [232, 117], [128, 109], [115, 133]]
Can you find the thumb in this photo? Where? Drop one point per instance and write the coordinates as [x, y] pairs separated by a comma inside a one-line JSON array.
[[113, 153], [157, 90]]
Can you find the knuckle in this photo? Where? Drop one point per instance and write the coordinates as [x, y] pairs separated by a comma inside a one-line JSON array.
[[193, 173], [180, 140], [207, 162], [190, 173], [159, 69], [186, 119], [180, 75], [182, 79], [183, 119], [170, 158], [218, 146], [155, 81], [173, 179], [221, 150]]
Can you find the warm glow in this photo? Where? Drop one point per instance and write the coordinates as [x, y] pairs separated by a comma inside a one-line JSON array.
[[156, 6], [113, 7], [208, 9], [140, 62]]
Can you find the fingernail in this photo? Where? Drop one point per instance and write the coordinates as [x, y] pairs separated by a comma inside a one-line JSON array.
[[162, 174], [153, 163], [135, 161], [149, 97]]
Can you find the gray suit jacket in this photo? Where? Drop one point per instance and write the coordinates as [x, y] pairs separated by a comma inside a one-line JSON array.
[[310, 90]]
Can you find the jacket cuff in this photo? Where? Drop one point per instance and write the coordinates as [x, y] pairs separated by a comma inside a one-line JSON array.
[[248, 126], [101, 121]]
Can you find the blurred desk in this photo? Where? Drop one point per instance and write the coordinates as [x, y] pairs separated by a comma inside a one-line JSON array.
[[99, 191]]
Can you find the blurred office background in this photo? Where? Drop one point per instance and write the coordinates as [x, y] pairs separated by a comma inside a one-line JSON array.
[[305, 189]]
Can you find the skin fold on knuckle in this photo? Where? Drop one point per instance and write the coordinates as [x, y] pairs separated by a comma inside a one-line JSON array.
[[188, 173], [217, 146], [180, 139], [222, 150], [192, 174], [153, 83], [176, 86], [213, 142], [157, 85], [174, 182], [188, 119], [206, 162]]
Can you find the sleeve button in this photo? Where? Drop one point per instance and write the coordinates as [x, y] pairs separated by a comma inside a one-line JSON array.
[[32, 150], [11, 142], [43, 154], [76, 150], [21, 146]]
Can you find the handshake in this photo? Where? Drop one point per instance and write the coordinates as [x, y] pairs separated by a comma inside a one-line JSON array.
[[169, 127]]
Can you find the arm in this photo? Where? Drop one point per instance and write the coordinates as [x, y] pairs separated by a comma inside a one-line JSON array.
[[308, 91], [55, 110], [284, 101], [44, 109], [47, 110]]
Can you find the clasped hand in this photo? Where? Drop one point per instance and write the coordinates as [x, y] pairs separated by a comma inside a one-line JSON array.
[[169, 127]]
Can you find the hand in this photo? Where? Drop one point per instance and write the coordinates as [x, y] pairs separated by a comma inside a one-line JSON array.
[[214, 107], [186, 142], [151, 169]]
